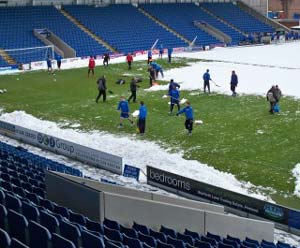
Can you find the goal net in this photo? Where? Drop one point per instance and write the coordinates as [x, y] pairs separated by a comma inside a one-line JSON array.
[[30, 54]]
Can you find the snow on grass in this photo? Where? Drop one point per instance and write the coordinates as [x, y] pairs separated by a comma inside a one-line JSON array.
[[136, 152], [296, 174], [257, 67]]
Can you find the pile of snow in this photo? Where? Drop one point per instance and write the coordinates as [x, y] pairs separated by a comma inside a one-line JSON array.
[[136, 152], [296, 174]]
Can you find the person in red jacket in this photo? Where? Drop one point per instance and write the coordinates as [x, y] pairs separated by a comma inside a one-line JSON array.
[[92, 65], [129, 60]]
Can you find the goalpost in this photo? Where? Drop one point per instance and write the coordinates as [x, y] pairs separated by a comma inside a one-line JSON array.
[[31, 54]]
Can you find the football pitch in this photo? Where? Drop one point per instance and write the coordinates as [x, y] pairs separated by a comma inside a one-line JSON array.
[[238, 134]]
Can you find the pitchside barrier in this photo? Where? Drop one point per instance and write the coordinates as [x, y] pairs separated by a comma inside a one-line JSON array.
[[126, 205], [69, 149], [285, 217]]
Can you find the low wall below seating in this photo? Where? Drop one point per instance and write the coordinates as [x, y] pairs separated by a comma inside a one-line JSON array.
[[82, 197]]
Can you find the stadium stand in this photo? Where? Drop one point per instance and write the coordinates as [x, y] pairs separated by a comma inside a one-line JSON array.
[[180, 18], [124, 27], [237, 17], [17, 24], [25, 222]]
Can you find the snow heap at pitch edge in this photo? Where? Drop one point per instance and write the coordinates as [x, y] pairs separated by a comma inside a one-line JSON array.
[[135, 152], [296, 174]]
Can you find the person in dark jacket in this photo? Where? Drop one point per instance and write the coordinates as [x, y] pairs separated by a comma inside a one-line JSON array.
[[101, 82], [142, 118], [49, 64], [58, 61], [149, 57], [133, 87], [173, 84], [151, 75], [206, 79], [271, 98], [170, 51], [233, 82], [189, 117], [106, 58], [175, 98], [277, 93]]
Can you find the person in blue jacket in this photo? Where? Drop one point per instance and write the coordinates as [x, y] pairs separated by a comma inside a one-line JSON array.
[[49, 64], [206, 79], [142, 118], [189, 116], [161, 51], [170, 51], [173, 84], [175, 98], [233, 82], [157, 68], [123, 107], [58, 61], [149, 56]]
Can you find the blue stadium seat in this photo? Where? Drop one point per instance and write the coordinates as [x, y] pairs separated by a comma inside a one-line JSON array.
[[47, 204], [94, 226], [194, 235], [185, 238], [141, 228], [33, 197], [3, 215], [222, 245], [39, 236], [175, 242], [13, 202], [49, 221], [163, 245], [252, 241], [147, 246], [15, 243], [113, 234], [158, 236], [265, 243], [19, 191], [71, 232], [7, 186], [202, 244], [17, 225], [130, 232], [281, 244], [214, 236], [112, 245], [149, 240], [2, 197], [234, 239], [168, 231], [77, 218], [62, 211], [209, 240], [30, 212], [249, 244], [91, 240], [111, 224], [59, 242], [231, 242], [4, 239], [131, 242]]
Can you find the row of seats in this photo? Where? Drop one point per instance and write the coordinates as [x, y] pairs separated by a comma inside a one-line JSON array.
[[236, 16], [180, 18], [123, 23], [17, 32], [40, 223]]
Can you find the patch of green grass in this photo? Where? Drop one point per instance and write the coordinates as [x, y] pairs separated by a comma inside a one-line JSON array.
[[238, 135]]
